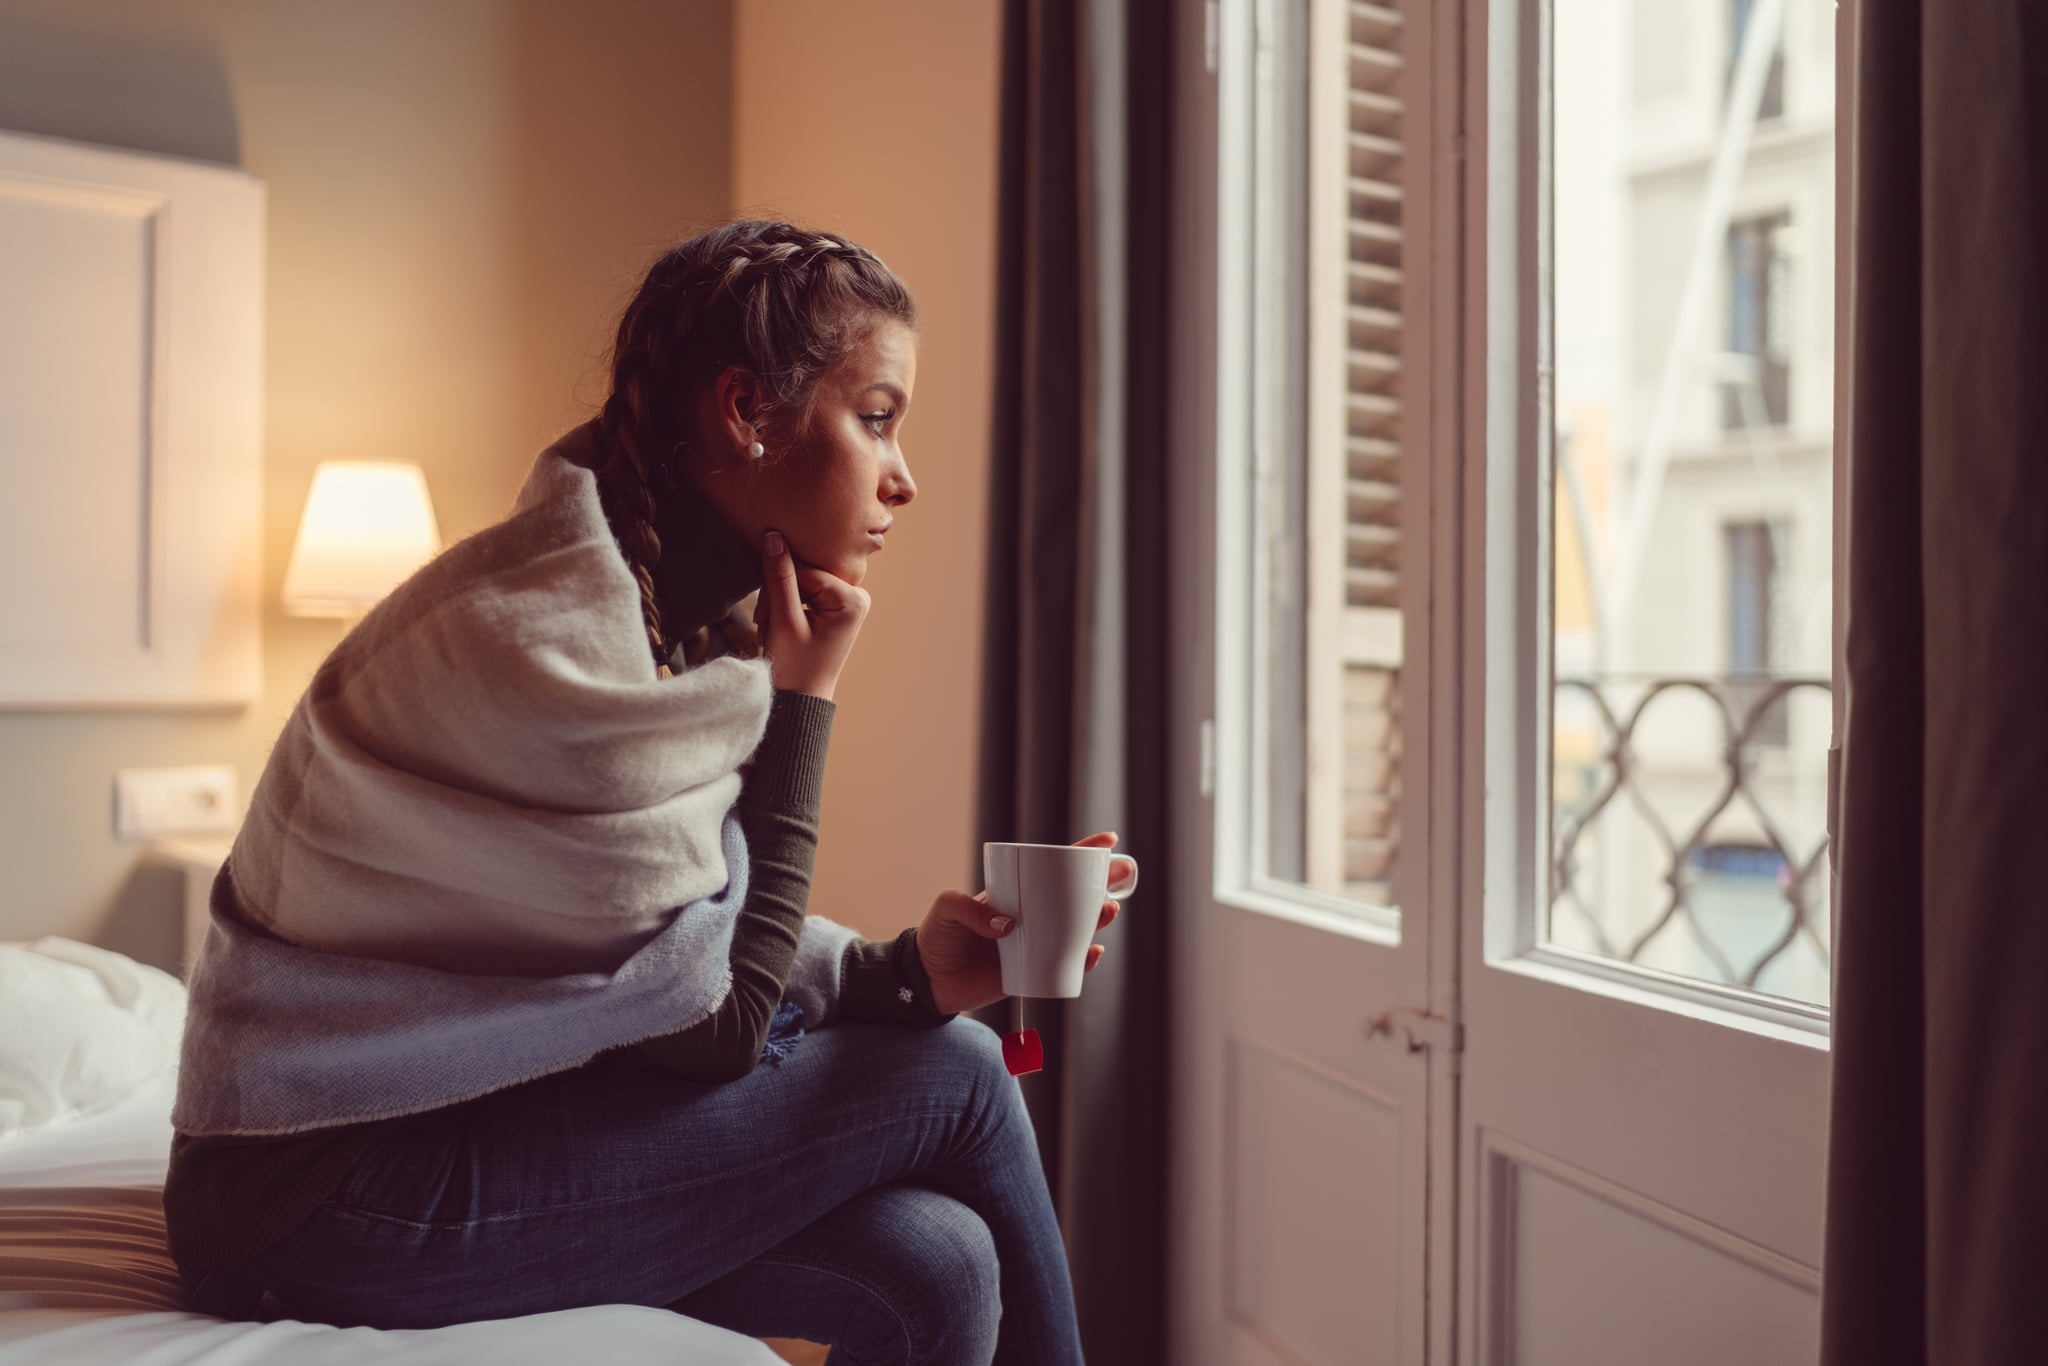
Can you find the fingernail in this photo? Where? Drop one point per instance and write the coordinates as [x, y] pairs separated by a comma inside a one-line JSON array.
[[999, 923], [775, 546]]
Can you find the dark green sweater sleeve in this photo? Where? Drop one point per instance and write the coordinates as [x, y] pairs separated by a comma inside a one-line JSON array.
[[781, 793], [884, 980]]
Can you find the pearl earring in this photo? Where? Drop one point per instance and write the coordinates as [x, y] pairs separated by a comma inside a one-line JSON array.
[[755, 451]]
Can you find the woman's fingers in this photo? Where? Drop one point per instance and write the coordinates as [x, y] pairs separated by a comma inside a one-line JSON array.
[[823, 591], [811, 581], [1102, 839], [779, 585], [975, 913], [1095, 952], [833, 604]]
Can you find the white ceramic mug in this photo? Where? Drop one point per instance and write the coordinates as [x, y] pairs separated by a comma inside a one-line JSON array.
[[1054, 893]]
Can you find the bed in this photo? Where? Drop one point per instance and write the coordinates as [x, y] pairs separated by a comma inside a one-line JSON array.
[[84, 1275]]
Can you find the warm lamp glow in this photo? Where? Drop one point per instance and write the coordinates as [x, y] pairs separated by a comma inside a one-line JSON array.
[[367, 526]]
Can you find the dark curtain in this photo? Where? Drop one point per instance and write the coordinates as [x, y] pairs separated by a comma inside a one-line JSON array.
[[1937, 1202], [1077, 650]]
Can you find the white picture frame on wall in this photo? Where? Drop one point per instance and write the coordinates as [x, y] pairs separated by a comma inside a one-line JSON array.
[[131, 410]]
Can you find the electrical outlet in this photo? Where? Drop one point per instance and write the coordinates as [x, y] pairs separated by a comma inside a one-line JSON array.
[[174, 801]]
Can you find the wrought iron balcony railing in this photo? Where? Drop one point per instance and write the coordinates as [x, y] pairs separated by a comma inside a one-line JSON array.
[[1654, 759]]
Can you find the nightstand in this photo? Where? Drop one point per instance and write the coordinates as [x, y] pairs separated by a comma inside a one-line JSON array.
[[199, 858]]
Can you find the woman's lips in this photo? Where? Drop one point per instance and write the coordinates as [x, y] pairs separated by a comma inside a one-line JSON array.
[[876, 538]]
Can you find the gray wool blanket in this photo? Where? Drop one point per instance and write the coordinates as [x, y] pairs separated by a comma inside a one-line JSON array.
[[488, 844]]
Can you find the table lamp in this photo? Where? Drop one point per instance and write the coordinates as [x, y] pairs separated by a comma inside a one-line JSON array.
[[367, 526]]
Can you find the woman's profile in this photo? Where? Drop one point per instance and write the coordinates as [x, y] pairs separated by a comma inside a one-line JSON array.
[[511, 1000]]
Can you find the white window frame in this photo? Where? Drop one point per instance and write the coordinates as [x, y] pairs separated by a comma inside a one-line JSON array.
[[1248, 452], [1507, 552]]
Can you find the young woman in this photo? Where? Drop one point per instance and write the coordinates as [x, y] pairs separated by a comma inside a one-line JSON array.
[[511, 1002]]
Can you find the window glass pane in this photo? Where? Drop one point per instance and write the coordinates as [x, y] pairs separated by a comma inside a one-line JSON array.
[[1692, 201]]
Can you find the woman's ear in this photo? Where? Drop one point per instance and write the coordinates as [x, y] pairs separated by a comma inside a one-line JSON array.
[[737, 395]]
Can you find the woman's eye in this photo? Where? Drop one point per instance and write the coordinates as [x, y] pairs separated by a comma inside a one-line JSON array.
[[876, 421]]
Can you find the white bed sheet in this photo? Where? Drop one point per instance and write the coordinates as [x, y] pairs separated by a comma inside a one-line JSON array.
[[85, 1278]]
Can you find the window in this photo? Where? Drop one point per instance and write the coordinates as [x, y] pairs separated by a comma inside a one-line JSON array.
[[1757, 386], [1751, 572], [1688, 673], [1755, 706], [1327, 490], [1771, 104]]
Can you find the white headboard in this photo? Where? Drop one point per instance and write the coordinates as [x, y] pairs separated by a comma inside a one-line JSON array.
[[131, 468]]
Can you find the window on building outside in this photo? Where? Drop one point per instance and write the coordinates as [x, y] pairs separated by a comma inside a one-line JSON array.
[[1757, 392], [1772, 105], [1752, 589]]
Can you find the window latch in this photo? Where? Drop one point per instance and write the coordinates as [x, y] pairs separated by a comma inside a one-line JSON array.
[[1421, 1029]]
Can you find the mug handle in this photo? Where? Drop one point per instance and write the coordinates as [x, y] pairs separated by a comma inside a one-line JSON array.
[[1119, 893]]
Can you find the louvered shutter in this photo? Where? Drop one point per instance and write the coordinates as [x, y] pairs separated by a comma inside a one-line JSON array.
[[1372, 448]]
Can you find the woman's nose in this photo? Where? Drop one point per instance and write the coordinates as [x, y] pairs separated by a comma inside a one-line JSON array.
[[902, 488]]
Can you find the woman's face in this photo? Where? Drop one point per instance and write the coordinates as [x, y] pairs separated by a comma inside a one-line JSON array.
[[838, 485]]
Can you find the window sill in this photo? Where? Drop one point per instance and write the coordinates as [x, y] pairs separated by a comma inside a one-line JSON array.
[[1315, 910]]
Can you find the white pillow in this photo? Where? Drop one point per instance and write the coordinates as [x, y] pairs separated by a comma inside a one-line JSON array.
[[80, 1028]]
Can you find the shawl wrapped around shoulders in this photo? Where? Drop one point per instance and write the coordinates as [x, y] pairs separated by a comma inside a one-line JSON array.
[[488, 844]]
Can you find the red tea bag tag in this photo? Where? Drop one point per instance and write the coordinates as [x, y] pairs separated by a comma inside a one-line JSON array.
[[1022, 1052]]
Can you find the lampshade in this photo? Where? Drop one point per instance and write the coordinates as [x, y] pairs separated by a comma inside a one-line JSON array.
[[367, 526]]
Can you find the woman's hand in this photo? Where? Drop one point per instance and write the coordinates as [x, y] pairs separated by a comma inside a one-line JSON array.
[[956, 942], [807, 618]]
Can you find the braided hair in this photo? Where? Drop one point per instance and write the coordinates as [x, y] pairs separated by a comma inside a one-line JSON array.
[[786, 302]]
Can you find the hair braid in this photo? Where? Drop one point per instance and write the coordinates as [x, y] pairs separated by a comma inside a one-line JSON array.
[[785, 302], [631, 506], [629, 474]]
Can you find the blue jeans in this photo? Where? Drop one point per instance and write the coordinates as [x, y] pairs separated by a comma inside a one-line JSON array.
[[879, 1189]]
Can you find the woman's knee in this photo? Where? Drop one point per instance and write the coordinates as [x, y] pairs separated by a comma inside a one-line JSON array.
[[928, 1264], [965, 1053], [899, 1275]]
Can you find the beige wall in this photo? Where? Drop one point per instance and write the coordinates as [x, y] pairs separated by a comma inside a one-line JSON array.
[[461, 194], [879, 120]]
